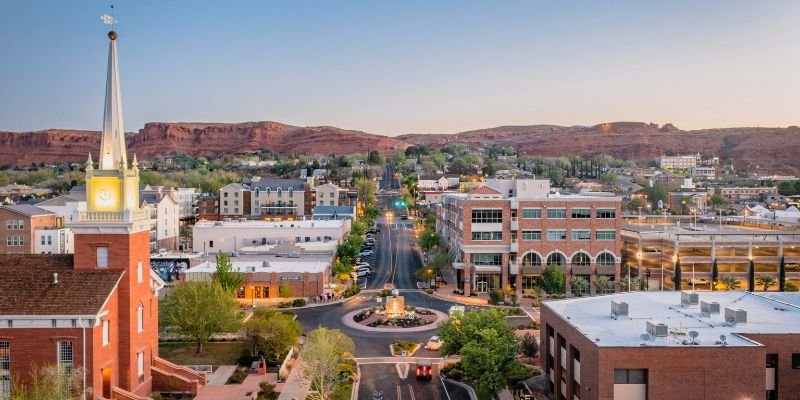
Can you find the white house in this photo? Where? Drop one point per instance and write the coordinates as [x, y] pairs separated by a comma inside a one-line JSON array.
[[54, 241], [232, 235], [167, 215]]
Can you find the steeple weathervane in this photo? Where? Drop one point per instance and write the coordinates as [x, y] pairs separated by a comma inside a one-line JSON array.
[[112, 143]]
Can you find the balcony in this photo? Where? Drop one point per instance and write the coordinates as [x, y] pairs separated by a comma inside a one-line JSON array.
[[114, 216]]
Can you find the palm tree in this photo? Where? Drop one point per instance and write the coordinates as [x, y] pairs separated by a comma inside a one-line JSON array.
[[766, 281], [730, 282], [578, 284], [602, 284]]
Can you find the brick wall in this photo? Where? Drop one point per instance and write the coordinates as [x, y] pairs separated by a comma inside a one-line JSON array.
[[31, 225]]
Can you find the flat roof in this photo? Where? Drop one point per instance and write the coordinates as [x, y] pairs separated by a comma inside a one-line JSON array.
[[774, 313], [705, 229], [265, 266], [235, 223]]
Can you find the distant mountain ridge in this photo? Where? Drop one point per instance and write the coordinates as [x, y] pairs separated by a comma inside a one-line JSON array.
[[773, 150]]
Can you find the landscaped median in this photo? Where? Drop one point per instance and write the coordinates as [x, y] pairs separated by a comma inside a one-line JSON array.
[[407, 346]]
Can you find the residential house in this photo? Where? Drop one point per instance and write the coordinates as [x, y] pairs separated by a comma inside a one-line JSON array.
[[19, 224]]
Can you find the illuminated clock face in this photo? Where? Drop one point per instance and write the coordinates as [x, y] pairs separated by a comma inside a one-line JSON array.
[[104, 195]]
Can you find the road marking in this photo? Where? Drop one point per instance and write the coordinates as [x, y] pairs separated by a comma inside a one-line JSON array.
[[402, 370], [411, 391], [399, 395]]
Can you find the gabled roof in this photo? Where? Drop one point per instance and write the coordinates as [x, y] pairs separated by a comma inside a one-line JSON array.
[[27, 287], [334, 209], [27, 210], [431, 177], [483, 190], [272, 183]]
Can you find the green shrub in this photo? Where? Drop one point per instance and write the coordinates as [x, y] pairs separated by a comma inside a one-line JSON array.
[[299, 302], [495, 297], [285, 291], [237, 377]]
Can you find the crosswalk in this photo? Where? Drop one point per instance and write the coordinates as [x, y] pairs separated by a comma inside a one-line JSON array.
[[402, 225]]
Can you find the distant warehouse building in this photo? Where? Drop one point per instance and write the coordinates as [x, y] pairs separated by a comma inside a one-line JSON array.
[[672, 345], [231, 235]]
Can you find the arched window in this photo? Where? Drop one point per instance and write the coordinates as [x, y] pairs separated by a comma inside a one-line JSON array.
[[531, 260], [581, 259], [557, 259], [291, 191], [280, 192], [268, 191], [606, 259], [139, 272], [258, 190], [140, 318]]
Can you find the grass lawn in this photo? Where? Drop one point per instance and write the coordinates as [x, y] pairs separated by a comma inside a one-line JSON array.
[[218, 353]]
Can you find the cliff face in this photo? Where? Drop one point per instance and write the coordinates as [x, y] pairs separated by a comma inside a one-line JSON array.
[[771, 149], [196, 139]]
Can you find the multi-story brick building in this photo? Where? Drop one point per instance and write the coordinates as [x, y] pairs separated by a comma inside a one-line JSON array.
[[96, 311], [678, 162], [734, 194], [672, 345], [503, 234], [19, 224]]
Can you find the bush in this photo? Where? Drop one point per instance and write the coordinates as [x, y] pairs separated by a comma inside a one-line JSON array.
[[267, 391], [429, 291], [351, 291], [453, 371], [385, 293], [285, 291], [237, 377], [406, 345], [299, 303], [495, 297]]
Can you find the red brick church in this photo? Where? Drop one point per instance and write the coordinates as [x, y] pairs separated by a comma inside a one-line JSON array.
[[94, 315]]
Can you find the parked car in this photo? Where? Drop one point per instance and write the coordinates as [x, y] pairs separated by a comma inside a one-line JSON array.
[[404, 216], [366, 270], [424, 370], [362, 274], [433, 343], [367, 253]]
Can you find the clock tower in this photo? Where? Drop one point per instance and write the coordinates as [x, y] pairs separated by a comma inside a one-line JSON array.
[[113, 234]]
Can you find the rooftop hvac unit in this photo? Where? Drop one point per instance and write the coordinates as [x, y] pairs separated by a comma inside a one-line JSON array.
[[619, 309], [657, 329], [735, 316], [242, 219], [689, 299], [218, 223], [709, 307], [251, 269]]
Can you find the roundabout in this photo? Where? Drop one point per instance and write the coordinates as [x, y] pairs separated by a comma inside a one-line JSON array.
[[428, 319]]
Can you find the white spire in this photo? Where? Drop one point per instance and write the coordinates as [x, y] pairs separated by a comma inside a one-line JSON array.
[[112, 144]]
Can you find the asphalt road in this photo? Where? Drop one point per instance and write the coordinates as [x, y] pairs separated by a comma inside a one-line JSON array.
[[384, 382]]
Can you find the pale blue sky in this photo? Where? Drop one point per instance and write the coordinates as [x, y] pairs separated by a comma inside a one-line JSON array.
[[404, 66]]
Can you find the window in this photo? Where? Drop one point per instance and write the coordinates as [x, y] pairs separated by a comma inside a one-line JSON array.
[[605, 235], [49, 240], [556, 234], [581, 213], [22, 224], [581, 234], [236, 202], [65, 361], [210, 243], [225, 210], [22, 240], [5, 370], [606, 259], [630, 376], [106, 332], [557, 259], [487, 216], [140, 318], [581, 259], [225, 203], [139, 272], [225, 194], [529, 234], [606, 213], [140, 365], [331, 195], [531, 213], [529, 282], [43, 240], [556, 213], [235, 194], [487, 235], [531, 260], [487, 259], [240, 293], [102, 257], [795, 360]]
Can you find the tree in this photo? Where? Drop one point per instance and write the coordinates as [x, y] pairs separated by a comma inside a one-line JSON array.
[[375, 158], [200, 310], [602, 284], [782, 275], [730, 283], [366, 190], [285, 291], [677, 276], [487, 346], [228, 280], [324, 354], [529, 346], [717, 202], [428, 239], [714, 274], [270, 333], [609, 179], [751, 277], [578, 284], [553, 280], [267, 391], [766, 281]]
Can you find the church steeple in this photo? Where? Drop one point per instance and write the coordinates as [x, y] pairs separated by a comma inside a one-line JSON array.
[[112, 143]]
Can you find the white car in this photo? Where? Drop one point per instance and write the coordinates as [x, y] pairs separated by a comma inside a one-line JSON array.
[[362, 274], [434, 343], [367, 253]]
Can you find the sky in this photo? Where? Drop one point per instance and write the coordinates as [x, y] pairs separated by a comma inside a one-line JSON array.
[[397, 67]]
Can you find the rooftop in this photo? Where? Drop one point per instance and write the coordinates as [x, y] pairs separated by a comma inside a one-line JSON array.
[[265, 266], [771, 314], [27, 209], [27, 286], [235, 224]]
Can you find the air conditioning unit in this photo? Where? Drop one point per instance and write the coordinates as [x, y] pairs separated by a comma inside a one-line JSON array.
[[709, 307], [619, 309], [689, 299], [251, 269], [735, 316], [657, 329]]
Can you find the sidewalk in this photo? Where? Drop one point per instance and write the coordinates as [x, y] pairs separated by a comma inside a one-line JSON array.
[[294, 388], [445, 292]]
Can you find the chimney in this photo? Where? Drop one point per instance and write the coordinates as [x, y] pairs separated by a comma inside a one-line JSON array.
[[55, 278]]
